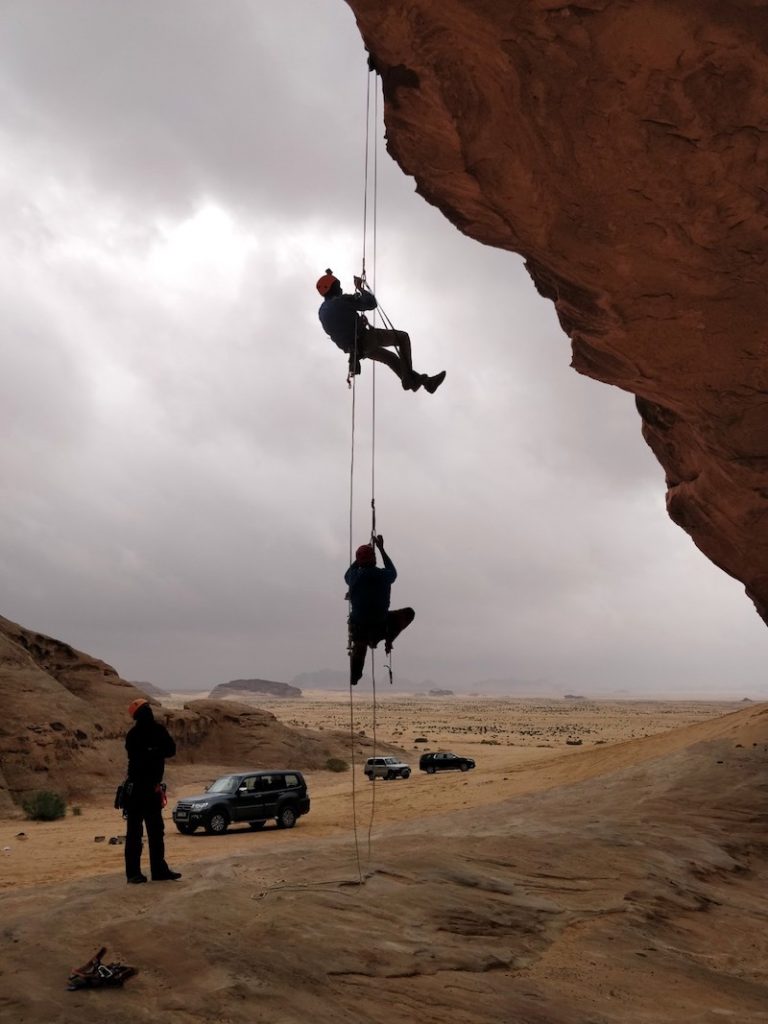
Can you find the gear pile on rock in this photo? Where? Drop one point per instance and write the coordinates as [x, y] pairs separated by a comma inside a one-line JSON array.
[[96, 974]]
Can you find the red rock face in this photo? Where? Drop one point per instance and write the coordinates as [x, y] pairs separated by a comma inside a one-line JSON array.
[[621, 148]]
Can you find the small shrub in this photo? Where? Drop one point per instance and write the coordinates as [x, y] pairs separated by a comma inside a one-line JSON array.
[[44, 806], [336, 764], [77, 810]]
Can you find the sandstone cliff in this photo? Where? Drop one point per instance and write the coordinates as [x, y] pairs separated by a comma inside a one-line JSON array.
[[620, 148], [64, 715]]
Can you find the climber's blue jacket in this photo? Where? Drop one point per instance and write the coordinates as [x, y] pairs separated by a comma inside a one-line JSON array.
[[369, 591], [339, 318]]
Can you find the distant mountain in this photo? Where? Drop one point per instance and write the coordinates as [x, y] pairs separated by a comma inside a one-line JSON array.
[[151, 690], [336, 679], [512, 687], [322, 679], [265, 687]]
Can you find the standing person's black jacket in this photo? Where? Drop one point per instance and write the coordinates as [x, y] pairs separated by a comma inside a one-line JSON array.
[[148, 744]]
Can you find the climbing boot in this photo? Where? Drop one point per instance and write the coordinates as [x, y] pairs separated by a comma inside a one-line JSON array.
[[412, 381], [431, 384], [166, 876], [136, 879]]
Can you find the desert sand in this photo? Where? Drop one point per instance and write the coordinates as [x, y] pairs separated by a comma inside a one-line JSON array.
[[622, 880]]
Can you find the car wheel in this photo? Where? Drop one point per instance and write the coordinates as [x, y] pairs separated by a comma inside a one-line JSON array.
[[287, 817], [186, 830], [217, 823], [390, 775], [256, 825], [463, 767], [431, 770], [405, 772]]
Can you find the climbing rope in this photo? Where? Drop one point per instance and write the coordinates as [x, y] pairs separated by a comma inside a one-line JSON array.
[[354, 783], [373, 362], [370, 194], [373, 778], [373, 429]]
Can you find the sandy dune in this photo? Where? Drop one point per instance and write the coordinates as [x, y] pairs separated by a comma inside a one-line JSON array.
[[616, 882]]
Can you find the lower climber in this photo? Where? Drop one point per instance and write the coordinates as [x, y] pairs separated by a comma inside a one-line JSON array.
[[370, 620], [340, 316]]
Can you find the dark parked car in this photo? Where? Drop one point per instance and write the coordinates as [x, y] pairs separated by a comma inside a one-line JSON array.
[[443, 762], [255, 797]]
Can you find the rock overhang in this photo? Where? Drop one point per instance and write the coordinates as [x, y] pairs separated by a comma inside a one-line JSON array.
[[619, 148]]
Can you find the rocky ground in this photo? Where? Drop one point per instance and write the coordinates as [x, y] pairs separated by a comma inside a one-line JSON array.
[[622, 882]]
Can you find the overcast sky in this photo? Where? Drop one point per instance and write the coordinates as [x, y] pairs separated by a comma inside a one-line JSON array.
[[176, 427]]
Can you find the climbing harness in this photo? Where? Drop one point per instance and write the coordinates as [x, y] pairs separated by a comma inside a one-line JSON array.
[[96, 974]]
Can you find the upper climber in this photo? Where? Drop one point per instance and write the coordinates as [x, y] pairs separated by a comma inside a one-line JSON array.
[[341, 320]]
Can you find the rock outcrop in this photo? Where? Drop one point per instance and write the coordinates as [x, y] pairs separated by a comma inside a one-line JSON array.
[[64, 716], [64, 722], [620, 148], [226, 732], [254, 687]]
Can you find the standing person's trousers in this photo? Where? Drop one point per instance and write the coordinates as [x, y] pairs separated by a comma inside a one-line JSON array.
[[144, 807]]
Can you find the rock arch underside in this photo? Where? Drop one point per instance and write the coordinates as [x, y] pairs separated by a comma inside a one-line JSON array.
[[620, 147]]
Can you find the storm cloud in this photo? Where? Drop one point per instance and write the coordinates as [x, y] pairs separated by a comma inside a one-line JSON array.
[[176, 445]]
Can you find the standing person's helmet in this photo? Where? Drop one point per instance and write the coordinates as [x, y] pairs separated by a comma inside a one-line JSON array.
[[365, 555], [326, 282], [134, 706]]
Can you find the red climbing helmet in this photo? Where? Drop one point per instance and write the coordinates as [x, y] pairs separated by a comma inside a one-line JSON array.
[[134, 706], [365, 555], [326, 282]]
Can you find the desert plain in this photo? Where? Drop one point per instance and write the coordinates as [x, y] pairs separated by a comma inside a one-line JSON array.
[[616, 879]]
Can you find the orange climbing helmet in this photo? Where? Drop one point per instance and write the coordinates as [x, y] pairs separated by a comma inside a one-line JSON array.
[[365, 555], [326, 282], [134, 706]]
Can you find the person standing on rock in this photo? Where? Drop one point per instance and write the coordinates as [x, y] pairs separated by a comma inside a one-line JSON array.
[[370, 619], [148, 745], [339, 315]]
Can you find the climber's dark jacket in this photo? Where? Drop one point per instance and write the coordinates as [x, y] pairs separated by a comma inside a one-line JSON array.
[[339, 318], [369, 591]]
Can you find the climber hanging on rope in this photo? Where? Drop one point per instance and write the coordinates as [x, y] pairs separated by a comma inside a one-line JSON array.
[[341, 320], [370, 620]]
